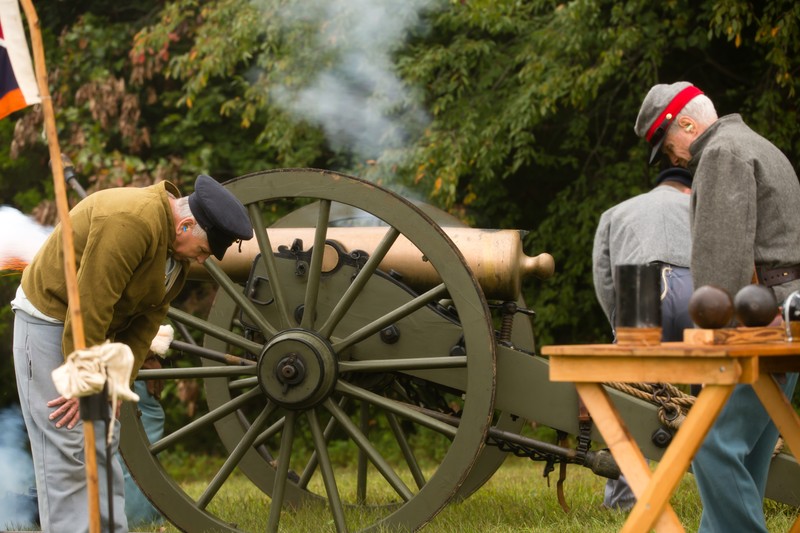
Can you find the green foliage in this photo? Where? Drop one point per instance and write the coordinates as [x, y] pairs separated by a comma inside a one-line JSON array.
[[8, 391]]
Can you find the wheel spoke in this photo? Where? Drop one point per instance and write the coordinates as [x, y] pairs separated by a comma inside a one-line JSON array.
[[236, 294], [406, 450], [217, 332], [281, 472], [396, 408], [199, 423], [361, 441], [308, 471], [355, 288], [271, 431], [245, 383], [268, 257], [211, 355], [315, 268], [390, 318], [184, 331], [321, 448], [197, 372], [361, 474], [414, 363], [234, 458]]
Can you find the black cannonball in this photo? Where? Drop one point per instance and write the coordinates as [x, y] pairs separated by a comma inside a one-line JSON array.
[[755, 305], [711, 307]]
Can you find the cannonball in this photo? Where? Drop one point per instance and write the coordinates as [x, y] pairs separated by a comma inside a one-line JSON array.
[[711, 307], [755, 305]]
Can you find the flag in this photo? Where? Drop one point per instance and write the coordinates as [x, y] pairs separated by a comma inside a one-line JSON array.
[[18, 87]]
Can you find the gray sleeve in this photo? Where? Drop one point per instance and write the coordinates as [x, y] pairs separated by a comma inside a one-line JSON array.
[[601, 269], [724, 221]]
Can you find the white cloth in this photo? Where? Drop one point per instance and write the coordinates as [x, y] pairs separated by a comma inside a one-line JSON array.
[[86, 371], [160, 343]]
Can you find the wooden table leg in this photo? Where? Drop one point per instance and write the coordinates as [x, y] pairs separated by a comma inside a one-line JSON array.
[[675, 461], [623, 447], [782, 413]]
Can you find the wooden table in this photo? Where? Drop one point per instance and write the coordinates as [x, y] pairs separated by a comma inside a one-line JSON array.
[[720, 367]]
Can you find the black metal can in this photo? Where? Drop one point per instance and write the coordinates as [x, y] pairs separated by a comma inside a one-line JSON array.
[[638, 302]]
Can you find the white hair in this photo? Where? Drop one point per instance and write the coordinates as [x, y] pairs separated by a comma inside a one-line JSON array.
[[700, 109], [182, 210]]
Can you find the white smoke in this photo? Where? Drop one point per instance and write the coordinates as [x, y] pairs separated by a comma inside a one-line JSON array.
[[358, 98], [20, 235], [20, 238]]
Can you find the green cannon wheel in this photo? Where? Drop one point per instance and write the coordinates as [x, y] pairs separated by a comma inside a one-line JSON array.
[[308, 369]]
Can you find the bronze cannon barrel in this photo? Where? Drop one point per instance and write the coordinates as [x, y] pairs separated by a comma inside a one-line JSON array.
[[495, 257]]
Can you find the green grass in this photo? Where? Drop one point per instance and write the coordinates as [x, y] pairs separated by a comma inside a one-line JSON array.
[[516, 498]]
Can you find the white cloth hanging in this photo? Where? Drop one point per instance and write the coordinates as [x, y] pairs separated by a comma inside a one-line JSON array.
[[86, 371]]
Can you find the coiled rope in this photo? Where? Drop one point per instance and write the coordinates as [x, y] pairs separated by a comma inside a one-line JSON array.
[[673, 403]]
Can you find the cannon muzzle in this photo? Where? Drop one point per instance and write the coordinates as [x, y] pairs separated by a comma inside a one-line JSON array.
[[495, 257]]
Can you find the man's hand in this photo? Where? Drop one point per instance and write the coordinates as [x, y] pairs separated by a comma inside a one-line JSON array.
[[68, 412], [154, 386]]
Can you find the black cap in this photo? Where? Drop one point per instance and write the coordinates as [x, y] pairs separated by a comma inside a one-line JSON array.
[[679, 174], [220, 214]]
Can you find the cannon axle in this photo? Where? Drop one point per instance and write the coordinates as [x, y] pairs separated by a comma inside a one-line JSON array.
[[297, 369]]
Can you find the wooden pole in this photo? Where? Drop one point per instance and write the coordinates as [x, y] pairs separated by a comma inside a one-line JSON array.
[[67, 245]]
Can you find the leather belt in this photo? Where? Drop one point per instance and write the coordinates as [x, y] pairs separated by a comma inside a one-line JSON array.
[[777, 276]]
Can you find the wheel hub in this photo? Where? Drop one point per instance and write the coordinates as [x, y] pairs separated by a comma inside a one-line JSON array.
[[297, 369]]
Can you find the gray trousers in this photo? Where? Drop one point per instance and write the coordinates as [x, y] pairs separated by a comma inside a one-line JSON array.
[[58, 454], [677, 288]]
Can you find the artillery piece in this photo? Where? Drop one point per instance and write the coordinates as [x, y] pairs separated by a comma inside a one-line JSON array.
[[316, 333]]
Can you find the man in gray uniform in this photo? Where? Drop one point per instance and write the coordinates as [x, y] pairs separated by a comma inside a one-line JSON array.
[[745, 201], [649, 228]]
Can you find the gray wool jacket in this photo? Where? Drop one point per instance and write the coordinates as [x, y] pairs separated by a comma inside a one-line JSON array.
[[653, 226], [745, 207]]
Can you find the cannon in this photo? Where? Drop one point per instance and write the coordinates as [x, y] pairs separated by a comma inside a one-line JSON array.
[[355, 321]]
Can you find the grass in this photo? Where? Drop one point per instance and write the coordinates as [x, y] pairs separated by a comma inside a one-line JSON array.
[[516, 498]]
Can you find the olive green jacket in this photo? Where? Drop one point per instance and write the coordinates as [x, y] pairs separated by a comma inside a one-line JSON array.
[[122, 237]]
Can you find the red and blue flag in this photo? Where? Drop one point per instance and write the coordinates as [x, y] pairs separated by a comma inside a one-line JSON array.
[[18, 87]]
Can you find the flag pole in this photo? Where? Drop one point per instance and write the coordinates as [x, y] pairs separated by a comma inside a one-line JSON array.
[[67, 245]]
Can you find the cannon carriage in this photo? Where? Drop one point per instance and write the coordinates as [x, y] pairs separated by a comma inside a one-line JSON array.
[[320, 331]]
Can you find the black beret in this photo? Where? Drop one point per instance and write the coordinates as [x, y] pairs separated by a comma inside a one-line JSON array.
[[679, 174], [220, 214]]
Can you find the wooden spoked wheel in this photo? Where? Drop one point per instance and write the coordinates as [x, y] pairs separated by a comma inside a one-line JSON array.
[[322, 382]]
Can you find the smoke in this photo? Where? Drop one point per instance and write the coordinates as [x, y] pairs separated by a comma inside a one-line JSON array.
[[356, 96], [17, 502], [20, 237]]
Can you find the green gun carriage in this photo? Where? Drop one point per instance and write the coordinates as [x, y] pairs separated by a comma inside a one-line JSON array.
[[360, 309]]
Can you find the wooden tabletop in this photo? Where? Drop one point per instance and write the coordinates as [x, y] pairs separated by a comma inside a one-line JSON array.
[[682, 349], [673, 362]]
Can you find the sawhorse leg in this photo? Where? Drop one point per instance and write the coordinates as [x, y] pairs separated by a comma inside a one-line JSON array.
[[676, 459], [624, 449], [782, 413]]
